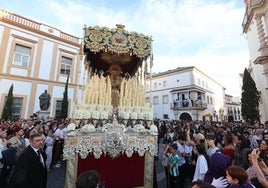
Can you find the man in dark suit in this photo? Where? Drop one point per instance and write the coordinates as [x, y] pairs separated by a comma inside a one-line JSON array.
[[30, 170]]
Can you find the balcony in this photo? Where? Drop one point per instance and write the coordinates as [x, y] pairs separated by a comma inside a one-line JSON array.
[[188, 105], [245, 22]]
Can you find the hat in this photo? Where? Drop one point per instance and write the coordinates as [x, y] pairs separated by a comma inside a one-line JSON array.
[[218, 165], [211, 137]]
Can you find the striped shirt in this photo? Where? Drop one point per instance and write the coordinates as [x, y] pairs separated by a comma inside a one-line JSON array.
[[173, 161]]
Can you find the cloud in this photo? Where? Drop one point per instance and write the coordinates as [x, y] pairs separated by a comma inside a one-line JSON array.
[[201, 33]]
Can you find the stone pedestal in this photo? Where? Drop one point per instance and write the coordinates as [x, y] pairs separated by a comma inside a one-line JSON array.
[[43, 114]]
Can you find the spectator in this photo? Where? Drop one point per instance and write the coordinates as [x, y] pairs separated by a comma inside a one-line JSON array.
[[49, 142], [3, 146], [173, 161], [59, 136], [237, 177], [211, 144], [202, 162], [228, 148], [260, 167], [88, 179], [201, 184], [17, 140], [30, 170], [217, 167], [241, 149], [264, 151]]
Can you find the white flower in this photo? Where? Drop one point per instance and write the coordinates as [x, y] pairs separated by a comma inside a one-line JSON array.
[[125, 115], [141, 115], [71, 127], [95, 115], [153, 128], [146, 116], [88, 128], [86, 114], [78, 114], [133, 115], [104, 115], [139, 128]]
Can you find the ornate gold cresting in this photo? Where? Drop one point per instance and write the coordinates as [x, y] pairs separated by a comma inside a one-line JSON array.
[[117, 40]]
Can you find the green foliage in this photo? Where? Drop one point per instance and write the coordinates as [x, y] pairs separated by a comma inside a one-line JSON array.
[[65, 102], [7, 111], [250, 99]]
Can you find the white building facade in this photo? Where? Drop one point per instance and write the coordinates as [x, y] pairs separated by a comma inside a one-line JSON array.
[[186, 93], [35, 57], [255, 28], [233, 107]]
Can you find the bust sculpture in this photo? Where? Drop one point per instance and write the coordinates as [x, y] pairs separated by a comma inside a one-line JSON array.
[[44, 100]]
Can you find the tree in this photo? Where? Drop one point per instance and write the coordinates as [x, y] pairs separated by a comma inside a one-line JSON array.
[[65, 102], [7, 111], [250, 99]]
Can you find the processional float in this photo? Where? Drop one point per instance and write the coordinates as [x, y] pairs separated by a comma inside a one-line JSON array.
[[112, 129]]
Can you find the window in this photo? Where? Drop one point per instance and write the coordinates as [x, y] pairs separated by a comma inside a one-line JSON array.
[[66, 64], [58, 109], [147, 99], [155, 85], [165, 84], [21, 55], [165, 99], [16, 107], [156, 100], [199, 96], [165, 116]]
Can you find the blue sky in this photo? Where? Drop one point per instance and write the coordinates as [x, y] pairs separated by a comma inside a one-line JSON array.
[[202, 33]]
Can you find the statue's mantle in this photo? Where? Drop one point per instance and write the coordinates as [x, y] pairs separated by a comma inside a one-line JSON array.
[[109, 140]]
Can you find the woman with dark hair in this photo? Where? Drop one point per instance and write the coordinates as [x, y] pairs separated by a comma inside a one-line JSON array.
[[228, 149], [88, 179], [241, 150], [252, 176], [202, 162], [264, 151]]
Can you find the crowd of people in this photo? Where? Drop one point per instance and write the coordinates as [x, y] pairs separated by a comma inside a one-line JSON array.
[[30, 148], [209, 154], [214, 154]]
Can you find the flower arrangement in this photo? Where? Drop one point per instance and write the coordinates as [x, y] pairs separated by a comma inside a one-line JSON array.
[[139, 128], [78, 114], [133, 115], [86, 114], [153, 128], [125, 115], [141, 115], [71, 127], [95, 115], [88, 128], [104, 115]]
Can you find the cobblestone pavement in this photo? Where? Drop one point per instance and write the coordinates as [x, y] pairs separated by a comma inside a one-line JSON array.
[[56, 176]]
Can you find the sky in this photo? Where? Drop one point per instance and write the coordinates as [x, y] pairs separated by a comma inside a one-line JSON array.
[[206, 34]]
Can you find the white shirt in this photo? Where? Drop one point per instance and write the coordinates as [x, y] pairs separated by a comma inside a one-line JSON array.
[[201, 168]]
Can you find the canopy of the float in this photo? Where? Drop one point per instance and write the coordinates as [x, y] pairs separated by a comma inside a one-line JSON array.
[[104, 46]]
